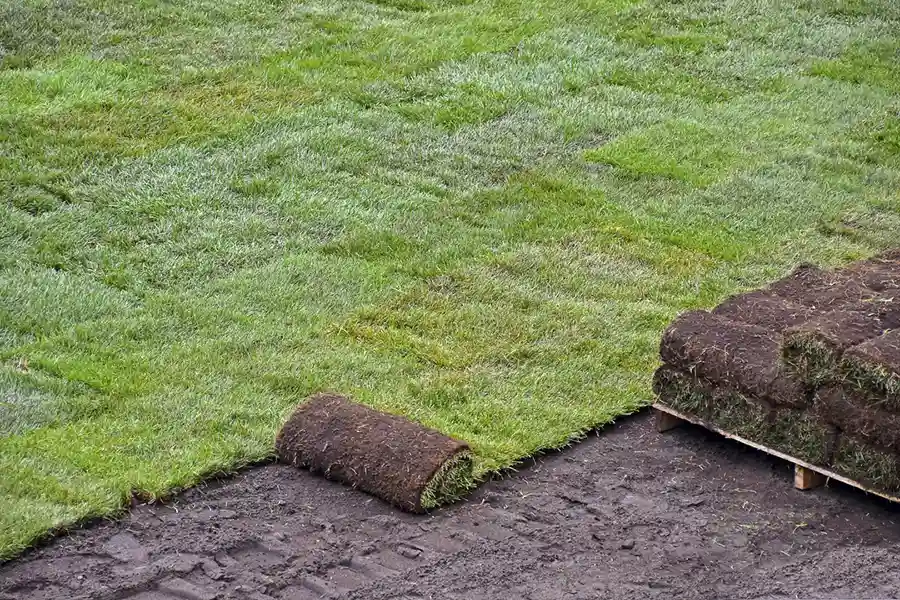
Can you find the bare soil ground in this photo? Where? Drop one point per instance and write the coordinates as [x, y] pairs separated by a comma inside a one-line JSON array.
[[629, 513]]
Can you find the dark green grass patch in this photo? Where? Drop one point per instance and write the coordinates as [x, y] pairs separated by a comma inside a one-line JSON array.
[[477, 214]]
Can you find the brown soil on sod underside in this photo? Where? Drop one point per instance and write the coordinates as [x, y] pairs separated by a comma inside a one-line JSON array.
[[735, 355], [764, 309], [860, 419], [821, 290], [386, 455], [873, 367], [881, 273], [628, 513]]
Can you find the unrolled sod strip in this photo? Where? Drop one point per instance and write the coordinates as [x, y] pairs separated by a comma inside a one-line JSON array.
[[404, 463]]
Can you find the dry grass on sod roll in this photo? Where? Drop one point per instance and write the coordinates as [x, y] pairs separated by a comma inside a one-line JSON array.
[[480, 215]]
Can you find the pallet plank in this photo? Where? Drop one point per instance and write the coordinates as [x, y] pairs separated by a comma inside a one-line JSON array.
[[822, 472]]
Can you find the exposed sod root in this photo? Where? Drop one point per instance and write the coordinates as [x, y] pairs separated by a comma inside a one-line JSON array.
[[874, 368], [821, 290], [879, 273], [764, 309], [868, 464], [407, 464]]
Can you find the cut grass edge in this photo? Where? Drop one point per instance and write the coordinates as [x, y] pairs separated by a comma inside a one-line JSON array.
[[453, 482]]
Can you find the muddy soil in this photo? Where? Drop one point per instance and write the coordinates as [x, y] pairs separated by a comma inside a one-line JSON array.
[[628, 513]]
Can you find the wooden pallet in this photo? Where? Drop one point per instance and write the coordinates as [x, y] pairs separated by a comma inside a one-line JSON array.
[[806, 476]]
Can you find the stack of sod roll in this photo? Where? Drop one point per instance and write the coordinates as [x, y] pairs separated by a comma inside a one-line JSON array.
[[809, 366]]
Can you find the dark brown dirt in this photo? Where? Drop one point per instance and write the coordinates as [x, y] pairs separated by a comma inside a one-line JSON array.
[[736, 355], [385, 455], [628, 513]]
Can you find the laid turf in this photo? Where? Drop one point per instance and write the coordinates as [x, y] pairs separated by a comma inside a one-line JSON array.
[[477, 214]]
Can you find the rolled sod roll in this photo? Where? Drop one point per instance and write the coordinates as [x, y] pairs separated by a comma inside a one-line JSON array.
[[735, 355], [404, 463], [867, 464], [796, 432], [764, 309], [858, 419], [873, 368], [813, 349]]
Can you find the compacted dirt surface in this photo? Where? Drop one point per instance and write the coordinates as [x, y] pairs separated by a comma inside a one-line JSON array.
[[628, 513]]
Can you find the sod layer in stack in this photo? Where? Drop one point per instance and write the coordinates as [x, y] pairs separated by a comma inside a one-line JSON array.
[[407, 464], [873, 368], [867, 464], [814, 349], [821, 290], [764, 309], [792, 431], [809, 366], [867, 422], [740, 356]]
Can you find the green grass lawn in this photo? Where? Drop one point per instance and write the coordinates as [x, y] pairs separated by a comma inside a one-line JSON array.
[[479, 214]]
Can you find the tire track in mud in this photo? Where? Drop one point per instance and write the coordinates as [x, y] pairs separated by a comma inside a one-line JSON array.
[[628, 514]]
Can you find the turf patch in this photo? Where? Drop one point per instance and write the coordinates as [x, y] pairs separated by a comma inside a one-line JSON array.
[[676, 149], [404, 463]]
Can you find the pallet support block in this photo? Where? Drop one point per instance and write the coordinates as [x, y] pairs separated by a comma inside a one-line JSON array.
[[666, 421], [807, 479]]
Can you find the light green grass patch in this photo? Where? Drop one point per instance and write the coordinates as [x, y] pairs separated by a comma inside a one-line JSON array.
[[679, 149]]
